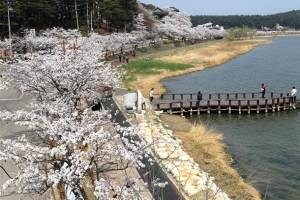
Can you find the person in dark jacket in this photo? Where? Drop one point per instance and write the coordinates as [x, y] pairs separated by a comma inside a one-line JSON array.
[[263, 90], [97, 107], [199, 98]]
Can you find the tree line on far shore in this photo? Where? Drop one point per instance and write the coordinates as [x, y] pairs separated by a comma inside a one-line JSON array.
[[289, 19]]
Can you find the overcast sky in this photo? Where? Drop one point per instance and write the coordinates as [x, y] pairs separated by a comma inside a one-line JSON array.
[[228, 7]]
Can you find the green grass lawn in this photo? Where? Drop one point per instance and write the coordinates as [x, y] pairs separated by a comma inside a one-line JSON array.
[[146, 68], [149, 67]]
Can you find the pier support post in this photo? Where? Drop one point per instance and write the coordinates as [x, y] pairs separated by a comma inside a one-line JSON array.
[[248, 107], [257, 106], [181, 108], [208, 106], [293, 105], [240, 107], [284, 104]]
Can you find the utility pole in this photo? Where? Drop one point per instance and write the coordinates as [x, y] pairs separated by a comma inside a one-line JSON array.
[[76, 16], [87, 15], [9, 31], [91, 20]]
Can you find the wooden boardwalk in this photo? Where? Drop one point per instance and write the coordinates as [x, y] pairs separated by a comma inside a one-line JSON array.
[[224, 103]]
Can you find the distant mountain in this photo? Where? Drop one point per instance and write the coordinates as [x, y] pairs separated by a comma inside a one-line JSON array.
[[289, 19]]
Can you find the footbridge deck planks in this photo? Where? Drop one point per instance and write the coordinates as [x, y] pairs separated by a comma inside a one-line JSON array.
[[224, 103]]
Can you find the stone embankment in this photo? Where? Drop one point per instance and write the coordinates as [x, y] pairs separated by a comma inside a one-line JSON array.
[[187, 174]]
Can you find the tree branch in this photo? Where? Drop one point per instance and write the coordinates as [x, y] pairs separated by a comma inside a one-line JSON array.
[[5, 172]]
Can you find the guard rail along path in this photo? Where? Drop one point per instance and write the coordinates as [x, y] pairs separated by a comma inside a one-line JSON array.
[[224, 103]]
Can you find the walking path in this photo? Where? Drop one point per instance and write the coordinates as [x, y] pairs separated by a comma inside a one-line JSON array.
[[157, 50], [156, 172]]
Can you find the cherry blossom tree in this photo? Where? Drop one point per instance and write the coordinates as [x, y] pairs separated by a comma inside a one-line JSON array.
[[139, 23], [72, 142], [173, 24], [177, 24], [147, 16]]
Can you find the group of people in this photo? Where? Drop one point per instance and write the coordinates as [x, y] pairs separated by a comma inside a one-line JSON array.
[[292, 95], [133, 53], [124, 58]]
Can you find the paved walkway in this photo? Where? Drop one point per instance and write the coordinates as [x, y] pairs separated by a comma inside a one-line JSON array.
[[170, 191]]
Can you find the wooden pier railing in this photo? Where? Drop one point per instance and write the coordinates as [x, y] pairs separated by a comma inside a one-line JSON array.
[[224, 102]]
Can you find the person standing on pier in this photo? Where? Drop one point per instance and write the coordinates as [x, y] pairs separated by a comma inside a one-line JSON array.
[[151, 94], [199, 98], [263, 90], [293, 94]]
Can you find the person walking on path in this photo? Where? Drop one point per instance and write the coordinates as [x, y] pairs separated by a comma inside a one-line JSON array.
[[199, 98], [126, 58], [151, 94], [120, 58], [293, 94], [263, 90]]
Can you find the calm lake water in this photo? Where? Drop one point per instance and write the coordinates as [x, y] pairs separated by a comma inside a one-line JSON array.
[[265, 146]]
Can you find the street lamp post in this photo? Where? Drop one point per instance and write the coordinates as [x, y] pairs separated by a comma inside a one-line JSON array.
[[9, 31]]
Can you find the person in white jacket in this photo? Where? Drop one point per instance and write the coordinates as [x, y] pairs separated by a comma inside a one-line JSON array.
[[293, 94], [151, 95]]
